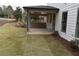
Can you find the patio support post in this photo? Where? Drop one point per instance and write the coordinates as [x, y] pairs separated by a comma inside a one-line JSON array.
[[28, 20], [48, 22]]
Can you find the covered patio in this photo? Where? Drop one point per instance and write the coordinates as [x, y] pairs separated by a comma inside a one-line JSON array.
[[41, 19]]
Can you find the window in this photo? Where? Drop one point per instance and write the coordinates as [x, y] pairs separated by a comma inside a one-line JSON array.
[[64, 21], [77, 25]]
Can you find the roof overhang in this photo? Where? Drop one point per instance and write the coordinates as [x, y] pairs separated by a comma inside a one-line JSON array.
[[41, 8]]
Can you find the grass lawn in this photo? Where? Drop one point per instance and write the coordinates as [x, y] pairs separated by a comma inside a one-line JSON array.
[[14, 41]]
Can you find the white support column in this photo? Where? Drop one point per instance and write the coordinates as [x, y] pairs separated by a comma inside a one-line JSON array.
[[50, 23]]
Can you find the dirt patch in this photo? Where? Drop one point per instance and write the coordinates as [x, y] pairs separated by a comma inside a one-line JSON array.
[[67, 45]]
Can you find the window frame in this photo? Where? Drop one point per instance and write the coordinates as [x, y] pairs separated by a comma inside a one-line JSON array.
[[77, 21], [64, 21]]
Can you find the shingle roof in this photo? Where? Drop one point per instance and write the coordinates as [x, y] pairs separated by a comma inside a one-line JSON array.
[[41, 7]]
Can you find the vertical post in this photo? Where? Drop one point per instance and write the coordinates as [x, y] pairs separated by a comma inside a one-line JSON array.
[[28, 21], [48, 22], [54, 16]]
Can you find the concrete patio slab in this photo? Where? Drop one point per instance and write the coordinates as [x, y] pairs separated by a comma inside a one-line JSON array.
[[38, 31]]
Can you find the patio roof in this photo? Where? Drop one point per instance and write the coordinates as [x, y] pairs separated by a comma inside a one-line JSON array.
[[41, 7], [37, 10]]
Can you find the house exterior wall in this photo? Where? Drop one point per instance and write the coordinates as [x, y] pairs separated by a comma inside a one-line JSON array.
[[71, 19]]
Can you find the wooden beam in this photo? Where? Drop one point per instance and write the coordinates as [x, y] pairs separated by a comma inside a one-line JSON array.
[[39, 14]]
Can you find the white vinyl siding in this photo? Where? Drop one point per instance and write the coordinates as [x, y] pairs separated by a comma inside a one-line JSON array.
[[71, 19]]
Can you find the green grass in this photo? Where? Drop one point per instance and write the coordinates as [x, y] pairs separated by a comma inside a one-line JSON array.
[[11, 40], [14, 41]]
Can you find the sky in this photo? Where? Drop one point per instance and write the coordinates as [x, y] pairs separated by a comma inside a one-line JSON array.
[[22, 3]]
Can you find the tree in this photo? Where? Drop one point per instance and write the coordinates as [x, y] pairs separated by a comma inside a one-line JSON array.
[[18, 14], [4, 8], [35, 18], [1, 12], [24, 16], [10, 11]]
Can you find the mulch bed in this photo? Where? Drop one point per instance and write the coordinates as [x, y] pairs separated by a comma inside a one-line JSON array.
[[67, 45], [20, 25]]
